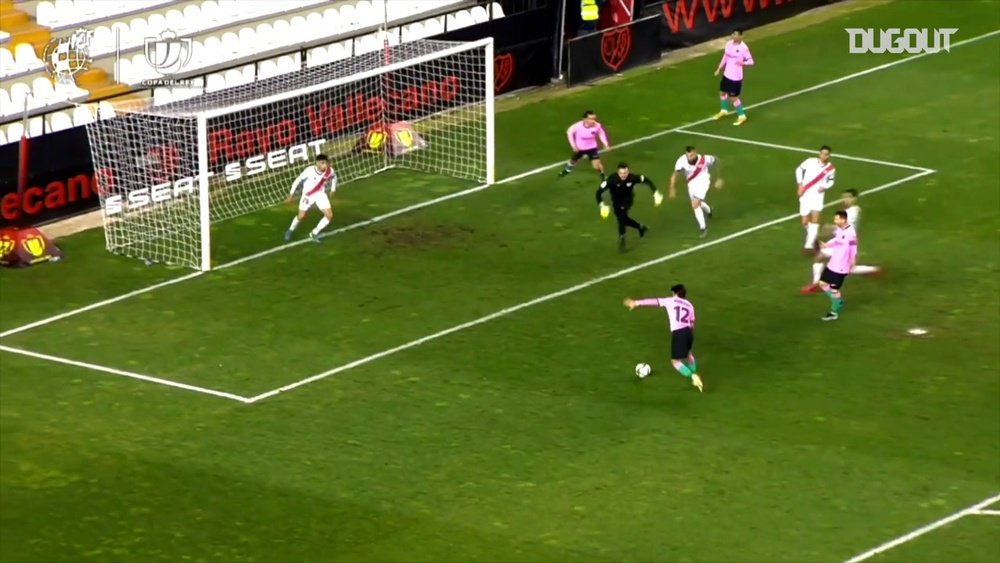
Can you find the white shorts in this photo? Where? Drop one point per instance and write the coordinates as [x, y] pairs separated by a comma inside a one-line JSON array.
[[699, 189], [320, 200], [811, 202]]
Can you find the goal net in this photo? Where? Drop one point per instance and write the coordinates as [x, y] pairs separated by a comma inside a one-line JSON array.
[[171, 171]]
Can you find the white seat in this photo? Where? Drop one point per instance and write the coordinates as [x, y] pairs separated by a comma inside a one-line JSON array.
[[125, 74], [317, 24], [139, 29], [103, 41], [265, 35], [60, 120], [36, 127], [175, 21], [248, 40], [281, 29], [210, 14], [365, 13], [316, 57], [413, 32], [213, 51], [479, 14], [300, 28], [267, 69], [156, 24], [434, 26], [42, 90], [162, 96], [26, 57], [120, 32], [287, 63], [192, 15], [460, 20], [366, 44], [63, 12], [105, 110], [45, 14], [82, 116], [6, 106], [19, 92], [3, 138], [231, 43], [141, 69], [348, 15], [215, 82], [337, 52], [234, 77], [7, 64], [497, 10], [15, 131]]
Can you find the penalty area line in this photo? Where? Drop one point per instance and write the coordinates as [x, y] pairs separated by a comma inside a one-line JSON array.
[[836, 155], [924, 529], [477, 189], [123, 373], [558, 294]]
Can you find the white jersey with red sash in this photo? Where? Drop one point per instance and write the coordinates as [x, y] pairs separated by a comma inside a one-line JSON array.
[[313, 184], [813, 178], [697, 173]]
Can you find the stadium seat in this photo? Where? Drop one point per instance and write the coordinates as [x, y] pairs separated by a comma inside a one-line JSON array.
[[60, 120], [36, 127], [367, 44], [281, 30], [433, 26], [103, 40], [265, 35], [46, 15], [234, 77], [155, 25], [348, 15], [82, 116], [317, 25], [3, 137], [213, 51], [24, 55], [215, 82], [162, 96], [175, 22], [249, 41], [19, 93], [141, 69], [267, 69], [42, 91], [458, 20], [105, 110], [413, 32], [6, 106], [316, 57], [338, 52], [497, 10], [231, 45], [288, 63], [15, 131], [192, 15], [7, 64], [138, 31], [479, 15]]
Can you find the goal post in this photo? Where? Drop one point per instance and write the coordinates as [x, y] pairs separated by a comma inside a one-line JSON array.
[[170, 171]]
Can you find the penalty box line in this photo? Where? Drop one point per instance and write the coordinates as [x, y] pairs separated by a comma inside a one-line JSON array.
[[836, 155], [463, 193], [910, 536], [561, 293], [123, 373]]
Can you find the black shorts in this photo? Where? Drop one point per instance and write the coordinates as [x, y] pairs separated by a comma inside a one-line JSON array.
[[592, 154], [731, 87], [681, 343], [833, 279]]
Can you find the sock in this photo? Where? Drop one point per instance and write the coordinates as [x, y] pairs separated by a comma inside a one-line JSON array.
[[699, 215], [836, 300], [692, 363], [682, 369], [705, 207], [862, 270], [295, 224], [812, 231], [569, 165], [739, 107], [724, 105], [817, 271], [321, 225]]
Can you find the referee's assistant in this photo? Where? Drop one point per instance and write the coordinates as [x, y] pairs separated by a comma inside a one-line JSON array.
[[622, 185]]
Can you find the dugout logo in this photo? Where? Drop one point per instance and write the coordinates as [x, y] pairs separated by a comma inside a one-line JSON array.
[[616, 46], [503, 71], [897, 41]]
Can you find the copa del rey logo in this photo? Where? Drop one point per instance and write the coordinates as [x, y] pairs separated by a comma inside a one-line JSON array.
[[895, 40]]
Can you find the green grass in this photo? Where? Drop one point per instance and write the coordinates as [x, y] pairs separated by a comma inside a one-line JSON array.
[[528, 437]]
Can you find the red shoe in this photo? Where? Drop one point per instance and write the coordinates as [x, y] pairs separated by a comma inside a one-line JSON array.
[[814, 288]]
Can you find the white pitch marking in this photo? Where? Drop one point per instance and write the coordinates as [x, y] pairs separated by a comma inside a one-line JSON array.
[[123, 373], [923, 530], [986, 512], [470, 191], [836, 155], [557, 294]]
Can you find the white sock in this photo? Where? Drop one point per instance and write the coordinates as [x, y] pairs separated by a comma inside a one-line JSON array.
[[705, 207], [862, 270], [700, 216], [817, 271], [295, 223], [321, 225], [812, 232]]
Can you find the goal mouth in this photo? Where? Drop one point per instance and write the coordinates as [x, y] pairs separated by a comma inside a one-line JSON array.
[[175, 169]]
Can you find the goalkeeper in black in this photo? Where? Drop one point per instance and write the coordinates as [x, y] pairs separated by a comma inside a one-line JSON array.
[[622, 185]]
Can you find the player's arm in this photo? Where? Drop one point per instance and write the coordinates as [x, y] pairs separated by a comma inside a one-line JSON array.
[[657, 196], [748, 59], [713, 163], [722, 63], [830, 178], [800, 175], [603, 136], [295, 185], [570, 135], [333, 183], [647, 302], [672, 190]]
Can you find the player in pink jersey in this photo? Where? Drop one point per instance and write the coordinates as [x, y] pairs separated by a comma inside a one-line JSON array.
[[844, 252], [680, 313], [849, 200], [313, 181], [734, 58], [583, 137]]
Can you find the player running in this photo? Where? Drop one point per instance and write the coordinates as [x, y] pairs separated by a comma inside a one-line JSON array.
[[850, 201], [814, 177], [583, 136], [680, 312], [313, 181], [734, 58], [622, 187], [843, 252], [695, 168]]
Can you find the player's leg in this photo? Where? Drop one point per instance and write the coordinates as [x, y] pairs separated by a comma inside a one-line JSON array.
[[595, 161], [831, 282], [723, 98], [681, 343], [323, 203], [734, 93], [572, 163], [697, 195], [863, 270], [810, 204], [304, 205], [818, 265]]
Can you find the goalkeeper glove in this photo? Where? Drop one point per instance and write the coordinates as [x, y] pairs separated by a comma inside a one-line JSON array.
[[657, 198], [605, 211]]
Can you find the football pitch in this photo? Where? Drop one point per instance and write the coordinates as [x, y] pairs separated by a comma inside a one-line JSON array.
[[448, 376]]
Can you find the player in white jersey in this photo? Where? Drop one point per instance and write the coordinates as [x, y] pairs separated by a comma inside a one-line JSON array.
[[849, 199], [696, 170], [814, 177], [313, 181]]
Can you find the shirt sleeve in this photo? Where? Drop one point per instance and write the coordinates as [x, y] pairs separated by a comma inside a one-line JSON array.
[[679, 165], [748, 59], [643, 179], [800, 172], [301, 178], [602, 134], [571, 135]]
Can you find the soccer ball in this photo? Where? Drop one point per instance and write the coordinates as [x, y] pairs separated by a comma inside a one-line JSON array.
[[643, 370]]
